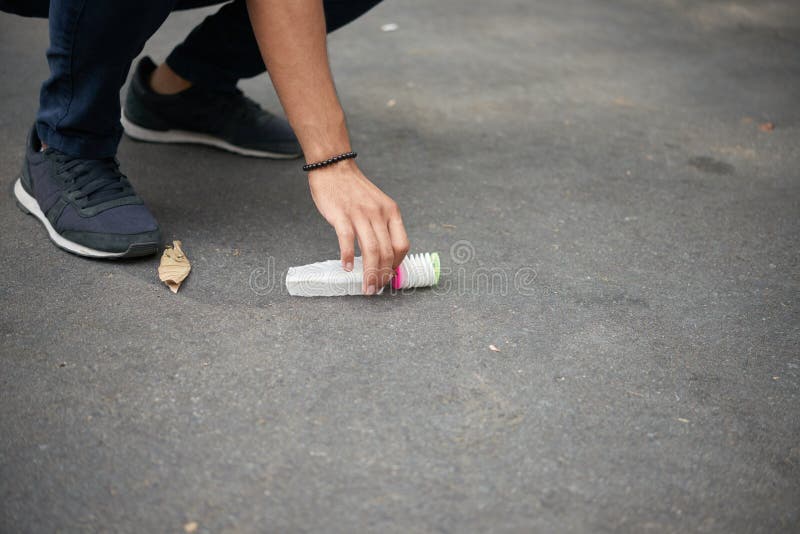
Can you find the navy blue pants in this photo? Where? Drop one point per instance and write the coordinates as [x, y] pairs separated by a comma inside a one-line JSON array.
[[93, 43]]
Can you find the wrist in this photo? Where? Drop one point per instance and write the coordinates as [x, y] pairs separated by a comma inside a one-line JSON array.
[[344, 166], [330, 161], [323, 140]]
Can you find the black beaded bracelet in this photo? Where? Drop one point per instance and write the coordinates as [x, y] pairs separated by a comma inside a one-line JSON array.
[[329, 161]]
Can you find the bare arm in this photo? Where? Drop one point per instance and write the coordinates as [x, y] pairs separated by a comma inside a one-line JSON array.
[[292, 37]]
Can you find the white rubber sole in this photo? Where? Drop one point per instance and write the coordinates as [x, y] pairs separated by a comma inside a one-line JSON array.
[[181, 136], [29, 204]]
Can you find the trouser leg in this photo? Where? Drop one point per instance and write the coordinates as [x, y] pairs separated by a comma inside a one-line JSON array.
[[92, 44], [223, 49]]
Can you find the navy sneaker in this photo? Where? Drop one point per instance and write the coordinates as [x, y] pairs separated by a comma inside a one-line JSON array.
[[87, 205], [227, 120]]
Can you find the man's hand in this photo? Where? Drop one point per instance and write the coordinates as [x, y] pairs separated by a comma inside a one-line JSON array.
[[356, 208], [291, 37]]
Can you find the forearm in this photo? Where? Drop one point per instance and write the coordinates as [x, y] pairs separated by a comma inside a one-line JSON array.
[[291, 35]]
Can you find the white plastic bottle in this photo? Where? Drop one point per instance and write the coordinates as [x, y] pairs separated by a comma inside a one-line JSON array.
[[329, 279]]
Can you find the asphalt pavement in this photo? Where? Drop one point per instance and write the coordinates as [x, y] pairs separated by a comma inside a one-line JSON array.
[[614, 190]]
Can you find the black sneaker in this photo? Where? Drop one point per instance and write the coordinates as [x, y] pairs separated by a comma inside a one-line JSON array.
[[87, 205], [226, 120]]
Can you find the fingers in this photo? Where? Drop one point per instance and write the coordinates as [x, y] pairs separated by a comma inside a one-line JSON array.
[[385, 251], [397, 232], [358, 210], [384, 243], [370, 252], [344, 231]]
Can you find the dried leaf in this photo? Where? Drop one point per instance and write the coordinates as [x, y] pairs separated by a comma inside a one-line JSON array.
[[493, 348], [190, 527], [174, 267], [766, 126]]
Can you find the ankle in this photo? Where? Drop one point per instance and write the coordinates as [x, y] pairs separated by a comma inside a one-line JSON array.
[[166, 81]]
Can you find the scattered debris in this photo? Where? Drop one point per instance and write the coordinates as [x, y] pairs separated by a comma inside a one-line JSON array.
[[681, 419], [236, 252], [560, 378], [623, 102], [450, 226], [766, 126], [190, 527], [776, 378], [493, 348], [391, 103], [634, 394], [174, 267], [390, 27], [62, 364]]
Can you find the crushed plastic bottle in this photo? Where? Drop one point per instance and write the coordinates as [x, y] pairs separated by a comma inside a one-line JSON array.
[[329, 279]]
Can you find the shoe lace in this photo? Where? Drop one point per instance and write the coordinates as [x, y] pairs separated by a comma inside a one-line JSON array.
[[92, 181]]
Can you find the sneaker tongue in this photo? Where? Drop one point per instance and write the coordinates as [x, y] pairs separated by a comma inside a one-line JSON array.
[[112, 188]]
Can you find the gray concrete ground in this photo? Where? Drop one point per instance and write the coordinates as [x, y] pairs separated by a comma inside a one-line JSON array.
[[610, 215]]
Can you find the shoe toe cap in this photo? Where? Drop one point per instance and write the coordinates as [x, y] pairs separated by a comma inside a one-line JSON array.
[[125, 219], [116, 230]]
